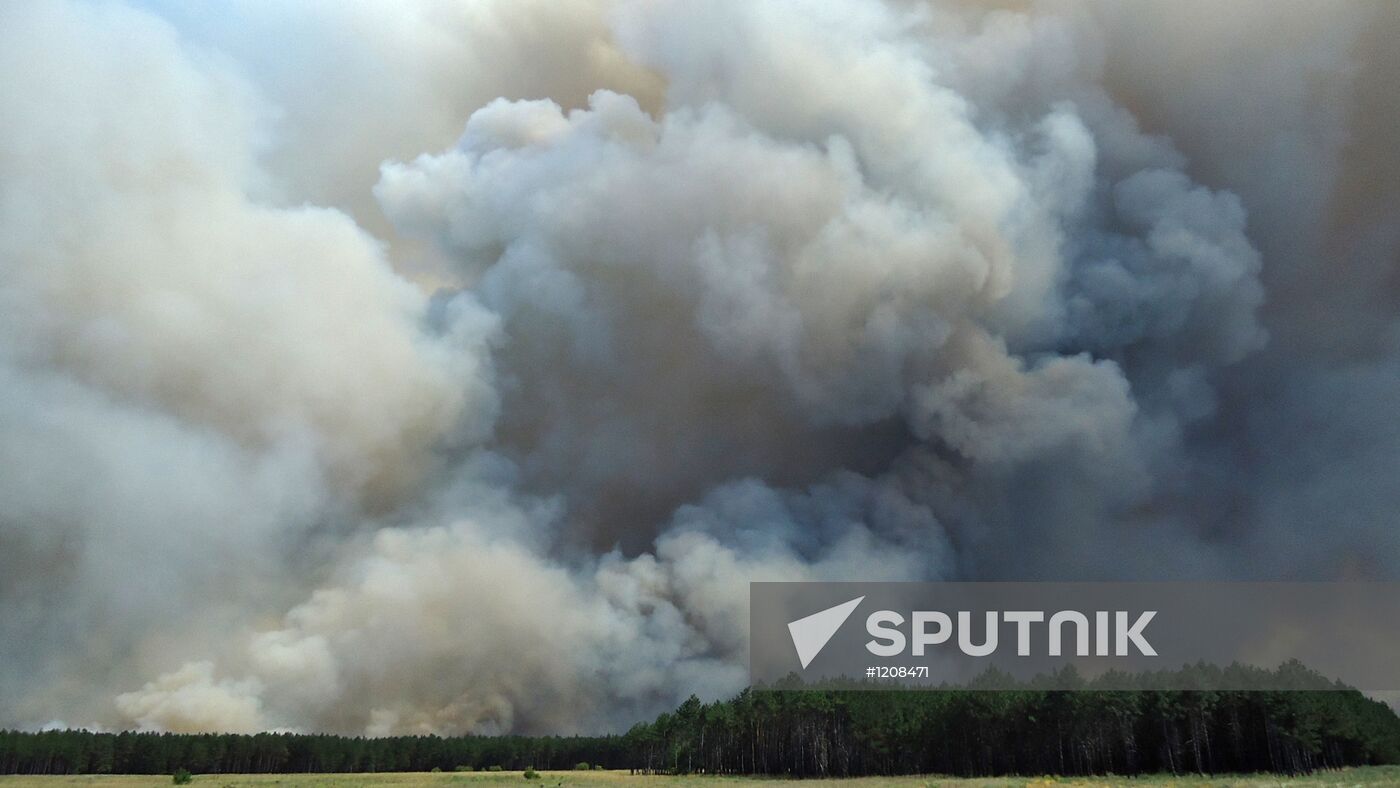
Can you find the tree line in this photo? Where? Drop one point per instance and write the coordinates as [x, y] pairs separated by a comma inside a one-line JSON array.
[[1019, 729], [838, 730], [87, 752]]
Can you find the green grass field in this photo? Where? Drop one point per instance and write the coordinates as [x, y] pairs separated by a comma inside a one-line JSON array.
[[1365, 776]]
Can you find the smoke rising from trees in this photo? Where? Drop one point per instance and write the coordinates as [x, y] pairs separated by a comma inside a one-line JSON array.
[[439, 367]]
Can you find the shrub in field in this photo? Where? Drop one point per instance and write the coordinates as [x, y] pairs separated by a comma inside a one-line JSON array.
[[181, 777], [597, 767], [495, 768], [581, 766], [531, 774]]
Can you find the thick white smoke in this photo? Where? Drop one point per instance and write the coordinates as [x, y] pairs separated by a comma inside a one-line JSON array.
[[700, 294], [196, 381]]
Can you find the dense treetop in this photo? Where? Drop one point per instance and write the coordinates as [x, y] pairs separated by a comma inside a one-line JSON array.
[[834, 731]]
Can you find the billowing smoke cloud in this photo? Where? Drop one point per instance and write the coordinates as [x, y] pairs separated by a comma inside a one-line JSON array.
[[426, 367]]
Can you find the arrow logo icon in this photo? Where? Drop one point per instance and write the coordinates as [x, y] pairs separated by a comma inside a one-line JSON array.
[[810, 634]]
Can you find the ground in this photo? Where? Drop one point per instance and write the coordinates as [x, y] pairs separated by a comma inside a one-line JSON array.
[[1366, 776]]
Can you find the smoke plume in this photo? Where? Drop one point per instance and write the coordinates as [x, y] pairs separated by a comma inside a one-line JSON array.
[[427, 367]]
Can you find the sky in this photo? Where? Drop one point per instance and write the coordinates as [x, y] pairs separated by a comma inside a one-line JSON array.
[[445, 367]]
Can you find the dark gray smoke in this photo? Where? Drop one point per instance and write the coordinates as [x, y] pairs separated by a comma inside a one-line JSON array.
[[613, 307]]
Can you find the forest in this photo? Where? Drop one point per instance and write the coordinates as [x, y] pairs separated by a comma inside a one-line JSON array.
[[848, 730]]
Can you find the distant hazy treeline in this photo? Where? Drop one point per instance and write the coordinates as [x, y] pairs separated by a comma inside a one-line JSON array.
[[821, 732]]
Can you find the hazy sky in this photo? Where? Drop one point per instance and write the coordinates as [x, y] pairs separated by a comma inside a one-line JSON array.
[[415, 366]]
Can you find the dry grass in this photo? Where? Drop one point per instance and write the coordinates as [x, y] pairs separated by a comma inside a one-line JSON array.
[[1366, 776]]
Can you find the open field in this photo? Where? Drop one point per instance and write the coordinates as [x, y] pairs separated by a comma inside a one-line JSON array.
[[1363, 776]]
